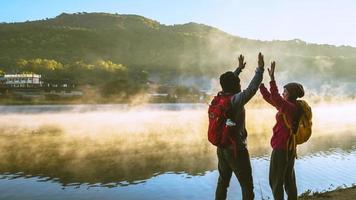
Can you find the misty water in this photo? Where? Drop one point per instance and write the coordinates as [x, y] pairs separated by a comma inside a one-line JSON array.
[[156, 151]]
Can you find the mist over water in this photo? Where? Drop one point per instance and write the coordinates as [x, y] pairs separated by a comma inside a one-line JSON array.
[[119, 145]]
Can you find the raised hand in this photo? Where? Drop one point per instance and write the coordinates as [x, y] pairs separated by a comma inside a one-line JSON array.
[[271, 70], [242, 64], [261, 62]]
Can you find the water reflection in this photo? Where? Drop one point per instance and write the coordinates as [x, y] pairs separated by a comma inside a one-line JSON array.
[[115, 148], [70, 161], [85, 160]]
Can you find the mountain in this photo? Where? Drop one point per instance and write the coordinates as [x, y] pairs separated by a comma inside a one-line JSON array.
[[128, 39], [177, 50]]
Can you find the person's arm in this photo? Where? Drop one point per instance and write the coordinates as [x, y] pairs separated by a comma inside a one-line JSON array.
[[243, 97], [279, 102], [241, 66], [266, 94]]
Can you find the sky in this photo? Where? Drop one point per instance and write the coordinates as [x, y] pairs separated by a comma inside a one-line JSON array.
[[315, 21]]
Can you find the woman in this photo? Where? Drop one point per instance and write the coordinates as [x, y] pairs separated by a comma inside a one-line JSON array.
[[281, 173]]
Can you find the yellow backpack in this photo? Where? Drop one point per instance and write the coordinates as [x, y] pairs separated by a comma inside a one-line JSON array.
[[304, 130]]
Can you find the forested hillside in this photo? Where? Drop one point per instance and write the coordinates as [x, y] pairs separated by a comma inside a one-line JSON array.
[[95, 48]]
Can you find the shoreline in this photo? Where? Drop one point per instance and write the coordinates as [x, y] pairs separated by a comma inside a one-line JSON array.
[[15, 103], [337, 194]]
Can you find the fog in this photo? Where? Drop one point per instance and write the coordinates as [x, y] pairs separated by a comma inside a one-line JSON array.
[[112, 143], [327, 72]]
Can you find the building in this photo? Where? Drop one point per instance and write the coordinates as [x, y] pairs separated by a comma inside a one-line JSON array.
[[60, 88], [20, 81], [58, 85], [29, 86]]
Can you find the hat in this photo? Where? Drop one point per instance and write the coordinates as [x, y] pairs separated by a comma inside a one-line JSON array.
[[295, 90], [229, 82]]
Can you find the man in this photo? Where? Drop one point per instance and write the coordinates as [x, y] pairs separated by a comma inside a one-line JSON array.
[[235, 158]]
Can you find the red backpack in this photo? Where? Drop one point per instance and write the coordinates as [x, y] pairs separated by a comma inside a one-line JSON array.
[[219, 111]]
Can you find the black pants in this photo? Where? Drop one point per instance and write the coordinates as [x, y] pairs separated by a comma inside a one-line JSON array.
[[241, 167], [281, 174]]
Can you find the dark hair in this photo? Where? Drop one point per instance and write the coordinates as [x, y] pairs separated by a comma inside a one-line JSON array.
[[295, 91], [298, 114], [230, 83]]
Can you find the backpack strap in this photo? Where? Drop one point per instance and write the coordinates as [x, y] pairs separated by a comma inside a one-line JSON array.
[[291, 143]]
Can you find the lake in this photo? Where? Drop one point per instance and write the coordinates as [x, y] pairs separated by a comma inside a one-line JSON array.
[[155, 151]]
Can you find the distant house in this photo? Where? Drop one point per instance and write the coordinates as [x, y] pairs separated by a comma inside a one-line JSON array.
[[58, 84], [60, 88], [35, 86], [20, 81]]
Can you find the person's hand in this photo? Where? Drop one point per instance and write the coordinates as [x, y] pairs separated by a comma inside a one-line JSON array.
[[242, 64], [261, 62], [271, 71]]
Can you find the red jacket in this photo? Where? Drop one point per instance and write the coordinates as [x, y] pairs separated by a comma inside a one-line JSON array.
[[281, 132]]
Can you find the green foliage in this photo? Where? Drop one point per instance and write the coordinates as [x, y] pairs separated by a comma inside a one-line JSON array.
[[109, 66], [95, 48], [123, 87], [38, 65], [112, 78]]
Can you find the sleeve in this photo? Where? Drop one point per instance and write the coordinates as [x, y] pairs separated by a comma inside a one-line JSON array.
[[243, 97], [281, 104], [266, 94], [237, 72]]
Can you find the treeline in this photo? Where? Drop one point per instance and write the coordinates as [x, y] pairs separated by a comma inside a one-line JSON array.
[[108, 78]]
